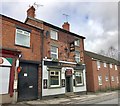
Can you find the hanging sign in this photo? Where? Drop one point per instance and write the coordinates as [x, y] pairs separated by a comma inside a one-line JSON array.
[[68, 72]]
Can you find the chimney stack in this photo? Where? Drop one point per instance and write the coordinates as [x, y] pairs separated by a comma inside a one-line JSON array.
[[66, 26], [31, 12]]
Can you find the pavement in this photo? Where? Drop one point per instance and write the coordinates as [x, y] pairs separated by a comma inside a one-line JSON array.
[[71, 99]]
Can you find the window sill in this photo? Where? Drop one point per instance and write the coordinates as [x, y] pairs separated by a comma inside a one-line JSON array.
[[79, 85], [54, 87], [22, 46]]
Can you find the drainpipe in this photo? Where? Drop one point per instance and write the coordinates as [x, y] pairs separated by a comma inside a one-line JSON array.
[[42, 56]]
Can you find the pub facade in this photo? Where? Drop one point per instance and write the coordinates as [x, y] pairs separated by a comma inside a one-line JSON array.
[[63, 68]]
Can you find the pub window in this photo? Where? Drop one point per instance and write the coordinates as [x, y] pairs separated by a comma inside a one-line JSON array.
[[22, 38], [54, 34], [79, 78], [54, 78], [77, 56], [54, 52]]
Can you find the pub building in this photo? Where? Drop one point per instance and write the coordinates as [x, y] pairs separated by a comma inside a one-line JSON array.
[[63, 68], [62, 77]]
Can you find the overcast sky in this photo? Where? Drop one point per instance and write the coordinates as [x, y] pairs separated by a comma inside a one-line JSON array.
[[97, 21]]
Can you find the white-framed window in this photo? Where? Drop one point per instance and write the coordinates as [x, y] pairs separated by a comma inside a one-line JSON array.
[[79, 78], [104, 64], [54, 34], [106, 78], [112, 78], [54, 52], [115, 67], [98, 64], [77, 42], [22, 38], [117, 79], [54, 78], [110, 65], [100, 80], [77, 56]]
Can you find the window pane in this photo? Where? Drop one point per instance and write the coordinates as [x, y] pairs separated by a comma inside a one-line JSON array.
[[79, 77], [54, 35], [22, 39], [54, 49], [53, 56], [54, 80]]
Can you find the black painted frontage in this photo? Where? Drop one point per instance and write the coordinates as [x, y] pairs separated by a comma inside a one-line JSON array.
[[28, 82]]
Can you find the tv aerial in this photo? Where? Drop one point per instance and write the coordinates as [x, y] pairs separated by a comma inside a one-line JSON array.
[[66, 16], [36, 5]]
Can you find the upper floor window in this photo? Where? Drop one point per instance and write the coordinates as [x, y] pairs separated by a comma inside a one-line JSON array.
[[104, 64], [79, 78], [106, 77], [112, 78], [54, 52], [77, 56], [22, 38], [54, 34], [100, 80], [115, 67], [110, 65], [77, 42], [98, 64]]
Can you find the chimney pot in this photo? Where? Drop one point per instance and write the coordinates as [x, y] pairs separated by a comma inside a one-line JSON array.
[[31, 12], [66, 26]]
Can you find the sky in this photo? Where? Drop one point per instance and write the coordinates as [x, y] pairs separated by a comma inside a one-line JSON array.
[[95, 20]]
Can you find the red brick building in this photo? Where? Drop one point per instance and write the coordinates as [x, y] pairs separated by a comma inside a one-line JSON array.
[[21, 44], [46, 60], [62, 51], [101, 72]]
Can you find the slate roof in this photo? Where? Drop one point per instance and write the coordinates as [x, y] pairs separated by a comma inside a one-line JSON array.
[[55, 27], [102, 58]]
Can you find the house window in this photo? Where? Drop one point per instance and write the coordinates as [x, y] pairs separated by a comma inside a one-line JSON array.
[[115, 67], [117, 79], [106, 78], [54, 78], [104, 64], [112, 78], [54, 34], [54, 52], [100, 80], [22, 38], [77, 42], [77, 56], [98, 64], [79, 78], [110, 65]]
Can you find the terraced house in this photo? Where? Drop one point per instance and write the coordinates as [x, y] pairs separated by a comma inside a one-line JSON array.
[[102, 72], [39, 59]]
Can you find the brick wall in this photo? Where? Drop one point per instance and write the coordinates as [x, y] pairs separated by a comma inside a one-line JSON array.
[[93, 72], [8, 39]]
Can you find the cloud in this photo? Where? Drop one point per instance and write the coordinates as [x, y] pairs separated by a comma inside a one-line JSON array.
[[97, 21]]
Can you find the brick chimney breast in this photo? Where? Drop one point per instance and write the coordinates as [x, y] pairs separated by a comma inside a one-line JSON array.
[[66, 26], [31, 12]]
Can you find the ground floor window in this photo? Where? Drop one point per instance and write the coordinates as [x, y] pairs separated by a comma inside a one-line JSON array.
[[100, 80], [54, 78], [79, 78]]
